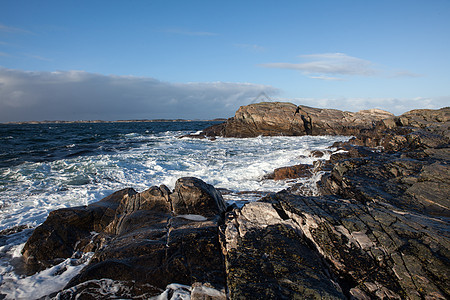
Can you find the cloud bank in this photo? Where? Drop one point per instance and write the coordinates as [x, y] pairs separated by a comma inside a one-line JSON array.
[[79, 95]]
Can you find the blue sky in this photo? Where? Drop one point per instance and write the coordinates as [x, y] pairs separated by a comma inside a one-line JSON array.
[[203, 59]]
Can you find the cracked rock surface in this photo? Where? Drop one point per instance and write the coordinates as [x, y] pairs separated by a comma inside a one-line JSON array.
[[379, 230], [145, 241]]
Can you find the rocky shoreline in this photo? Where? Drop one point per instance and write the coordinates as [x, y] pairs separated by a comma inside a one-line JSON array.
[[378, 230]]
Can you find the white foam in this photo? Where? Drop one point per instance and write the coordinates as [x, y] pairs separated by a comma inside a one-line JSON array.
[[42, 283], [197, 218], [31, 190], [178, 292]]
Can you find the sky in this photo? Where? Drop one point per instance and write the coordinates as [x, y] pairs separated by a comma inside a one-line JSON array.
[[116, 60]]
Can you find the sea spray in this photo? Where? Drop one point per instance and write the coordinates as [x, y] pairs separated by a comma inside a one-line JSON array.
[[76, 164]]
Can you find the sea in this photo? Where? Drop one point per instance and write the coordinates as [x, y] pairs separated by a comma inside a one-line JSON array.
[[44, 167]]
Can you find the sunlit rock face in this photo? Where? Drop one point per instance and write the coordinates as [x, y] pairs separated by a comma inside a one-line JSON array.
[[281, 118]]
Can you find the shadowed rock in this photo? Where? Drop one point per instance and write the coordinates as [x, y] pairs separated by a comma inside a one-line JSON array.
[[146, 239], [267, 258], [65, 230], [370, 250]]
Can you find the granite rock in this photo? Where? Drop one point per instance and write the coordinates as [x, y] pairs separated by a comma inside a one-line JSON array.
[[144, 240], [280, 118]]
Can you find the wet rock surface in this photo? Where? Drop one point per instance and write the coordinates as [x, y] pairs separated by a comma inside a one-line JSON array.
[[368, 250], [378, 230], [267, 258], [144, 240]]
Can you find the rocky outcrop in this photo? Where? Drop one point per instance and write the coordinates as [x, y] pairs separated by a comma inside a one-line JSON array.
[[145, 241], [378, 230], [409, 169], [279, 118], [334, 248]]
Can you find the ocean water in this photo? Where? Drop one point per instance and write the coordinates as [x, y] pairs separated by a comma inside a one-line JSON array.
[[44, 167]]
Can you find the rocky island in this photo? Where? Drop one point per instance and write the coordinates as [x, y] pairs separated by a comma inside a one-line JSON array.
[[378, 230]]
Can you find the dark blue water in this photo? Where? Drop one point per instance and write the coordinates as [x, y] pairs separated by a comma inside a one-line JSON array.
[[21, 143]]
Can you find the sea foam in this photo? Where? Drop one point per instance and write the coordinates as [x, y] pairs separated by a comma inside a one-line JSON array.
[[30, 190]]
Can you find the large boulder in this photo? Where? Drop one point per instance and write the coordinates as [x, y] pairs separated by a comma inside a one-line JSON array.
[[193, 196], [68, 229], [289, 246], [146, 240], [280, 118]]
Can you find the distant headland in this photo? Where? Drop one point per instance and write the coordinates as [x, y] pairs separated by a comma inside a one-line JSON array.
[[116, 121]]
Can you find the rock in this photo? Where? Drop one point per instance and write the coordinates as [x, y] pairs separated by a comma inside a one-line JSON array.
[[379, 229], [57, 237], [319, 153], [372, 251], [424, 117], [292, 172], [193, 196], [417, 129], [108, 289], [289, 246], [266, 258], [409, 170], [145, 240], [279, 118], [375, 227]]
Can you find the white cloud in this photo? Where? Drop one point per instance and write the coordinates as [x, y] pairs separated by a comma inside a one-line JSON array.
[[76, 95], [329, 64], [326, 66]]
